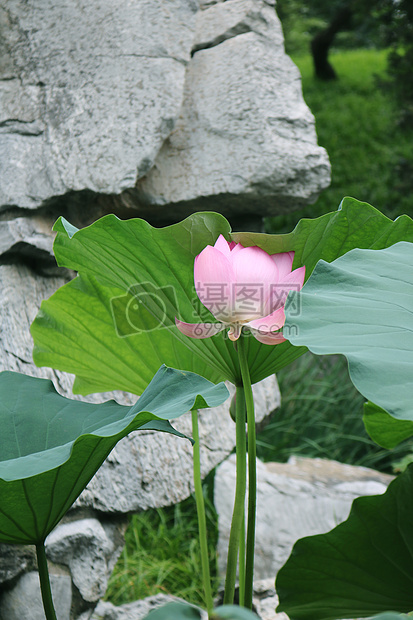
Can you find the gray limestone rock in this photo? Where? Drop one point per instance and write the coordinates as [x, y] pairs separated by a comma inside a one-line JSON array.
[[89, 91], [90, 550], [22, 291], [235, 17], [295, 499], [103, 106], [265, 600], [24, 601], [27, 236], [15, 560], [245, 141]]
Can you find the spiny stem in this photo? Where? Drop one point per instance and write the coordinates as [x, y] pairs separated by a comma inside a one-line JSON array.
[[200, 508], [45, 582], [239, 502], [252, 472]]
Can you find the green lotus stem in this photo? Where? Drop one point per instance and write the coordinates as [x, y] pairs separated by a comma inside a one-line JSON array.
[[241, 563], [45, 582], [239, 502], [200, 508], [252, 472]]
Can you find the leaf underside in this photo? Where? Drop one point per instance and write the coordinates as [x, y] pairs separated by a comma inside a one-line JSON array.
[[361, 306], [51, 446], [114, 324]]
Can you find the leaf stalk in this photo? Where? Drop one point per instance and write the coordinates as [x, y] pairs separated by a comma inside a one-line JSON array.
[[45, 588]]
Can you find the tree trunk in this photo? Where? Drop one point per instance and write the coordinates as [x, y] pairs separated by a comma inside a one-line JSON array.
[[322, 42]]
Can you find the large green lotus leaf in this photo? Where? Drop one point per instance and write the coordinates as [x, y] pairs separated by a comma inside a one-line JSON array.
[[385, 430], [361, 305], [113, 325], [362, 567], [50, 446]]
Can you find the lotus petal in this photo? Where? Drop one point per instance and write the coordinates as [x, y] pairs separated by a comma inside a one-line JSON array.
[[199, 330]]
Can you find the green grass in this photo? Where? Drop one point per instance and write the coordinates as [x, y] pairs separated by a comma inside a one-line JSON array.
[[161, 554], [321, 414], [371, 157]]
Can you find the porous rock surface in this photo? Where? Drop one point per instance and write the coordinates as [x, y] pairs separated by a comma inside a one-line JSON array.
[[89, 92], [235, 145], [24, 601], [144, 104], [295, 499], [89, 548], [14, 561]]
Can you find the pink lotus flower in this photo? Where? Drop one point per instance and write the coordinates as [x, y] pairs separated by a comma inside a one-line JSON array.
[[243, 287]]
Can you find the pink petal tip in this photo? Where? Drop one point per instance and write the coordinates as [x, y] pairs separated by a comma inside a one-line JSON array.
[[199, 330]]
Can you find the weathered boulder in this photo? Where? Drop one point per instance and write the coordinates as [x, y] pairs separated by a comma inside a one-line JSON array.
[[90, 549], [265, 600], [295, 499], [235, 146], [24, 600], [22, 291], [103, 106], [89, 93], [27, 236], [15, 560]]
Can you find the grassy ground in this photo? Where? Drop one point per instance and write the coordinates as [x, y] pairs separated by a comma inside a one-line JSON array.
[[321, 412], [321, 416], [161, 554], [371, 158]]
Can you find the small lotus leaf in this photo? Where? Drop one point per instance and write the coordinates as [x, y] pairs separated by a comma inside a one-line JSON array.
[[175, 611], [233, 612], [383, 428]]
